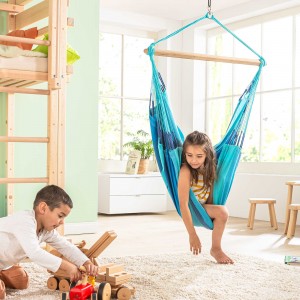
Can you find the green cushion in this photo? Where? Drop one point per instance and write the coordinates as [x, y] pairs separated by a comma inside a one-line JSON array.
[[72, 55]]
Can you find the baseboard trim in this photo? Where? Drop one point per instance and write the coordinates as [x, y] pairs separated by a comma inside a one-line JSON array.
[[80, 228]]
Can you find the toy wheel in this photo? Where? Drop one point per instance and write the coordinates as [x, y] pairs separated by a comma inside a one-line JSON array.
[[64, 296], [94, 296], [73, 284], [52, 283], [104, 291], [64, 285], [123, 293]]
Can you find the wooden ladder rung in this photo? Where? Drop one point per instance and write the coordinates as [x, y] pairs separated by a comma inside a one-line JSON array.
[[13, 139], [21, 90], [11, 8], [24, 40], [24, 180]]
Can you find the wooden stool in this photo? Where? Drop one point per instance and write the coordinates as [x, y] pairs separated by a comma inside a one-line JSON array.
[[293, 209], [270, 202]]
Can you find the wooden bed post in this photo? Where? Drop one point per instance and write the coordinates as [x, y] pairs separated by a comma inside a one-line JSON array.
[[10, 153], [11, 25], [57, 79], [57, 85], [52, 135], [62, 33]]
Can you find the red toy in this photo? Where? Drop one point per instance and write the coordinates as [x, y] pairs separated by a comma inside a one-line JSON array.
[[86, 290], [81, 291]]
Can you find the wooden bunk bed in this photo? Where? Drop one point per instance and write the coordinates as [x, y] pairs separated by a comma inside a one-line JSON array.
[[19, 75]]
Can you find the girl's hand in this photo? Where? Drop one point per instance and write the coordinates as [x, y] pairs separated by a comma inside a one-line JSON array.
[[195, 244], [90, 268]]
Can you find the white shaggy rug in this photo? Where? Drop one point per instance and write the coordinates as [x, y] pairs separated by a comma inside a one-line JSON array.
[[182, 276]]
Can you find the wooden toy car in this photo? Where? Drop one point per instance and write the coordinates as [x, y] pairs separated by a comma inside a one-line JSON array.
[[113, 283], [60, 280], [112, 278]]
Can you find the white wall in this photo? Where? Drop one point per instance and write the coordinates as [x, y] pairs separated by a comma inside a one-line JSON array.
[[247, 185]]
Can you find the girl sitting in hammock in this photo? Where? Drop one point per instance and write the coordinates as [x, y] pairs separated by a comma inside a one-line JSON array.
[[198, 172]]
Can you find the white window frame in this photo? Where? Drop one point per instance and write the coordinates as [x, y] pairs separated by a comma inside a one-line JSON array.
[[114, 29], [290, 168]]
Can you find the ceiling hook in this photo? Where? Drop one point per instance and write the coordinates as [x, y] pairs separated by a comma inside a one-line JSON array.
[[210, 14]]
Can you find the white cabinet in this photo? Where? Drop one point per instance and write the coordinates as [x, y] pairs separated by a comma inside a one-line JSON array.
[[120, 193]]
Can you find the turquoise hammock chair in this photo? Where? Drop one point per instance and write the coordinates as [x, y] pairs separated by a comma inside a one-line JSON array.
[[168, 138]]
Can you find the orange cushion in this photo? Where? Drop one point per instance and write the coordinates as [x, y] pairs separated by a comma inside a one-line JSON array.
[[29, 33]]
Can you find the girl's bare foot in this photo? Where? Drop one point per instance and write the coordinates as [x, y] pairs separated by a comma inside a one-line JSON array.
[[220, 256]]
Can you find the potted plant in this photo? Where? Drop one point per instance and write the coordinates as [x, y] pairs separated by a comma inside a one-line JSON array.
[[143, 143]]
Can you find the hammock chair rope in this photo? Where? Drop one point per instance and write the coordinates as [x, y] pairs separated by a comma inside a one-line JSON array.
[[151, 49], [168, 138]]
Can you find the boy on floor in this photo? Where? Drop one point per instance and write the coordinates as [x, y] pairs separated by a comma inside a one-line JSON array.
[[22, 233]]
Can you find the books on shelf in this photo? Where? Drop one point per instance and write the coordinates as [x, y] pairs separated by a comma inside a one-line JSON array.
[[292, 260]]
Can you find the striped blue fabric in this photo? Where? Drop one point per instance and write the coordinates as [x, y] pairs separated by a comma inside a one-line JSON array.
[[168, 138]]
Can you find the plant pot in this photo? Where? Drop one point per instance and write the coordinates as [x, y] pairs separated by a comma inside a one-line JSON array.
[[143, 166]]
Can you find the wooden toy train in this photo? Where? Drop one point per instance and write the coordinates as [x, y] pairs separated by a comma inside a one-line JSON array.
[[110, 282]]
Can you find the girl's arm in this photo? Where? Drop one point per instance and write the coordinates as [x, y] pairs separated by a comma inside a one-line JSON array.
[[183, 194]]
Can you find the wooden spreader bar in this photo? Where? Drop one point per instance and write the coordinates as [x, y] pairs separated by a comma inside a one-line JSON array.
[[205, 57]]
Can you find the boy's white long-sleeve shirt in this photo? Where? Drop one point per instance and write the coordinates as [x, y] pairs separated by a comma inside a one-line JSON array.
[[18, 240]]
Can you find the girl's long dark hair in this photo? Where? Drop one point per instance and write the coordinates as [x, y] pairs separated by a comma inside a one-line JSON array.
[[208, 170]]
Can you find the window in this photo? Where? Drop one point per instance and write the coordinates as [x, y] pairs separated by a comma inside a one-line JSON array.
[[273, 133], [125, 77]]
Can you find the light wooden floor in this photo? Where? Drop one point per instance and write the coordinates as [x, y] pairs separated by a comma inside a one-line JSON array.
[[140, 234]]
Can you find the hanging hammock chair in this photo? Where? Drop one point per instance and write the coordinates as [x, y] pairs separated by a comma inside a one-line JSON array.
[[168, 138]]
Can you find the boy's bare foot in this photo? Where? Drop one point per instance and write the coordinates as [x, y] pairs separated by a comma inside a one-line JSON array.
[[220, 256]]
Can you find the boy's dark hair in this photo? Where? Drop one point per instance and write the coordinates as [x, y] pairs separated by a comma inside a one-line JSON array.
[[53, 196]]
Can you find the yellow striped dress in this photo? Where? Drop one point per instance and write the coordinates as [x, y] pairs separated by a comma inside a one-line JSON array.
[[200, 193]]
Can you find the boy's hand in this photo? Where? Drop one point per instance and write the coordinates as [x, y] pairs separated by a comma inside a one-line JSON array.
[[72, 270], [91, 269], [75, 274]]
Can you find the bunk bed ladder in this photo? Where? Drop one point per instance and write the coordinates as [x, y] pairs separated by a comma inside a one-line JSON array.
[[57, 80]]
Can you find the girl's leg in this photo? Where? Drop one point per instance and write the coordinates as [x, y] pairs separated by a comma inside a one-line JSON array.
[[15, 278], [219, 214], [2, 289]]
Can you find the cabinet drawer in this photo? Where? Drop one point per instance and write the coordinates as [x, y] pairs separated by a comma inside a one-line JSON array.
[[137, 186], [135, 204]]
